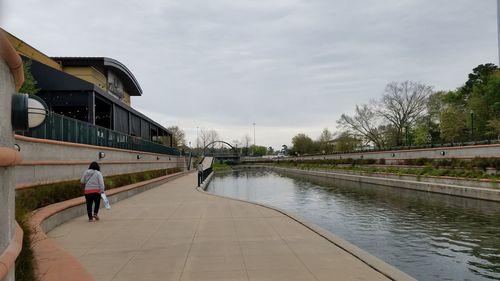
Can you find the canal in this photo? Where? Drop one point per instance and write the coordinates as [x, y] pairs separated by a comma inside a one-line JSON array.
[[429, 236]]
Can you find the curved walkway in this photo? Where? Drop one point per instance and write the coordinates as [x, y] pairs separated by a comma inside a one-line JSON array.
[[174, 232]]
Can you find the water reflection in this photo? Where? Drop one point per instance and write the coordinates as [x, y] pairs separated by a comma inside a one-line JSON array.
[[429, 236]]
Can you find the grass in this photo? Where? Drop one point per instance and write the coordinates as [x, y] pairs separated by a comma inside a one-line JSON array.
[[221, 167], [29, 200]]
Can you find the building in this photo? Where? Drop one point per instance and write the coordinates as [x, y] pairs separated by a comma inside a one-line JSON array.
[[96, 90]]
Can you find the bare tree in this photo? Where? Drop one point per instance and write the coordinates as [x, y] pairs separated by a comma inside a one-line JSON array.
[[208, 136], [178, 136], [204, 137], [236, 143], [403, 104], [246, 140], [363, 124], [213, 136]]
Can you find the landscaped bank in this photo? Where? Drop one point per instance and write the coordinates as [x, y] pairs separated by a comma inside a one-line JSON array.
[[403, 177]]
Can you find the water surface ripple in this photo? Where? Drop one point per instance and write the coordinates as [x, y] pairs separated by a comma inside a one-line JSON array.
[[429, 236]]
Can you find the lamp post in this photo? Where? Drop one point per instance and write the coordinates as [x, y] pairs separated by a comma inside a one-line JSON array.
[[254, 134], [472, 123], [498, 27]]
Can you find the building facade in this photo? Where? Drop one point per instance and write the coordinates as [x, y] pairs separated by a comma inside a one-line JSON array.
[[96, 90]]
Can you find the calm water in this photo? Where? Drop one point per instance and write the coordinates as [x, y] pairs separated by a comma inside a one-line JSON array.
[[429, 236]]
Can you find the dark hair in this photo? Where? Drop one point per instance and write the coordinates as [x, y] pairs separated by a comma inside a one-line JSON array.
[[94, 166]]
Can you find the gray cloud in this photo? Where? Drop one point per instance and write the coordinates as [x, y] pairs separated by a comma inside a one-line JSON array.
[[288, 65]]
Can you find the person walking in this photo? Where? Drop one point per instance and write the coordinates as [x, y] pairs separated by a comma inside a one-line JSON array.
[[93, 184], [200, 173]]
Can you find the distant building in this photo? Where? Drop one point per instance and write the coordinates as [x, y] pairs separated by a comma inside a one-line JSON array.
[[96, 90]]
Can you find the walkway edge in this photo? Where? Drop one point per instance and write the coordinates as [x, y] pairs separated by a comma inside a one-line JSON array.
[[377, 264], [53, 262]]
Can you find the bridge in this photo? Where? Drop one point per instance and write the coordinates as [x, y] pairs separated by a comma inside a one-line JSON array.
[[222, 154]]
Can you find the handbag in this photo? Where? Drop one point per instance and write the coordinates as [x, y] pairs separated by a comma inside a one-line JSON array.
[[105, 201]]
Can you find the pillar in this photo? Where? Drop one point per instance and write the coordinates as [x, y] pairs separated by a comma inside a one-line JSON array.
[[7, 192]]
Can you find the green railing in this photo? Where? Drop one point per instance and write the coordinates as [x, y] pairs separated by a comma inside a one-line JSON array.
[[62, 128]]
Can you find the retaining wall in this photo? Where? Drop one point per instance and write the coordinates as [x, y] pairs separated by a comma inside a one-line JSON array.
[[393, 156], [407, 182], [49, 161]]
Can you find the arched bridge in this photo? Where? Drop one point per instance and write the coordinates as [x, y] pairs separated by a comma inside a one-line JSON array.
[[222, 153]]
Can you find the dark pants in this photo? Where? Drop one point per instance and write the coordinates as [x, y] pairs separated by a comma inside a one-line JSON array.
[[200, 178], [93, 198]]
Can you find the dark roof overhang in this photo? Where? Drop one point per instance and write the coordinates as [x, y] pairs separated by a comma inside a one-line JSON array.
[[53, 80], [119, 69]]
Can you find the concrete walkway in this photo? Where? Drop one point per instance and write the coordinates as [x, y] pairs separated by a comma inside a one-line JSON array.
[[174, 232]]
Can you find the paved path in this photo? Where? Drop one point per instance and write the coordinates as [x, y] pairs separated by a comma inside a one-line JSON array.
[[174, 232]]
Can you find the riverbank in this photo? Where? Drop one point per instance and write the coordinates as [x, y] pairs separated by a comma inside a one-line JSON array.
[[483, 190]]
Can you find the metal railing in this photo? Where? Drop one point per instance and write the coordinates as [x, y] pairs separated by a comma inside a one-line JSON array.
[[62, 128], [204, 175]]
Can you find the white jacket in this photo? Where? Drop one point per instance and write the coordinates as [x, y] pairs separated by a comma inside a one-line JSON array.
[[93, 180]]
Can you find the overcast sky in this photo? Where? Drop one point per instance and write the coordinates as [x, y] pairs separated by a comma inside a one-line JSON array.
[[290, 66]]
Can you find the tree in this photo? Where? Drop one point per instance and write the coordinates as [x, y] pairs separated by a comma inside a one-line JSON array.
[[213, 136], [30, 84], [207, 136], [256, 150], [270, 151], [494, 127], [236, 143], [452, 123], [422, 134], [478, 77], [363, 124], [246, 140], [484, 104], [346, 142], [284, 149], [403, 104], [324, 141], [302, 144], [246, 143], [178, 136]]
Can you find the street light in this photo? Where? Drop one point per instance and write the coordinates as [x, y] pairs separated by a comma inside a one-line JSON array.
[[472, 124], [27, 112], [254, 134]]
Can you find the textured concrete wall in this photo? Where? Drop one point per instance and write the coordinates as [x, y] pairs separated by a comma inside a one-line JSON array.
[[491, 194], [6, 173], [394, 156], [51, 161]]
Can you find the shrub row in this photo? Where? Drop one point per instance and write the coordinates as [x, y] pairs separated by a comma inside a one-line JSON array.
[[478, 162], [421, 171]]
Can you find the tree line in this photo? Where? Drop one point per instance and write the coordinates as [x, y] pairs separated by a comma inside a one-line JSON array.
[[412, 114]]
